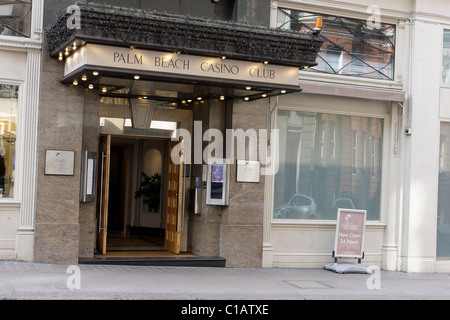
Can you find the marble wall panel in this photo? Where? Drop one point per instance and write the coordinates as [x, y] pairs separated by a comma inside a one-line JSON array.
[[56, 243], [242, 221], [90, 142], [241, 245], [57, 197]]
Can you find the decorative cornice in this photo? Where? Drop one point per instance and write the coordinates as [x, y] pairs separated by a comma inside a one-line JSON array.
[[190, 35], [21, 44]]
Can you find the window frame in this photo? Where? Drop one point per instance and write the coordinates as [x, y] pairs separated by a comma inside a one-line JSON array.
[[337, 15], [399, 19], [18, 143], [384, 162], [29, 16], [441, 82], [441, 178]]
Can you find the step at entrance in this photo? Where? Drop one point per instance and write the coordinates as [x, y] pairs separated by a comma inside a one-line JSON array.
[[154, 258]]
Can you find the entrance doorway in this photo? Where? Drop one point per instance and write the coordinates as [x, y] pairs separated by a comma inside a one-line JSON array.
[[140, 205]]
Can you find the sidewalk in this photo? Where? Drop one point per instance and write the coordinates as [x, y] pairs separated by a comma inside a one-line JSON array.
[[32, 281]]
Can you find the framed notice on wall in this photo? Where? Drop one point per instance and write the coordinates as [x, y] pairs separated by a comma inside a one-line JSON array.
[[350, 233], [59, 162], [247, 171]]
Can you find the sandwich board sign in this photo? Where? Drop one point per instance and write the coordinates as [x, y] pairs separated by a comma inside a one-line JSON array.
[[349, 240]]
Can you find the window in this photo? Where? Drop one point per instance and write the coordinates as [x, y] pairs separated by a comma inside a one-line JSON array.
[[8, 125], [446, 59], [15, 18], [443, 216], [312, 185], [351, 47]]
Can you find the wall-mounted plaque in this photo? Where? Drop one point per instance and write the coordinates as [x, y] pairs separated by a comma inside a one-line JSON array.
[[88, 176], [59, 162], [248, 171]]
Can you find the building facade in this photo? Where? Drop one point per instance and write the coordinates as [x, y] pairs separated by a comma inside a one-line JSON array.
[[376, 148], [20, 54], [355, 117]]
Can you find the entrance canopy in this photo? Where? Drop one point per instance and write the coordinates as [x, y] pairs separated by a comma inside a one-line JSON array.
[[105, 47]]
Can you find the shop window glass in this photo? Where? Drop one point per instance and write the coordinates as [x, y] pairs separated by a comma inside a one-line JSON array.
[[351, 47], [8, 125], [15, 18], [446, 59], [322, 167], [443, 216]]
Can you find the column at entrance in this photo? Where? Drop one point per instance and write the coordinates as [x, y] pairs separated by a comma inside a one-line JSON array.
[[204, 234], [233, 232], [57, 227], [242, 221]]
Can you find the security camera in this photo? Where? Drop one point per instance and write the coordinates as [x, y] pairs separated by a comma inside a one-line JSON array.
[[408, 131]]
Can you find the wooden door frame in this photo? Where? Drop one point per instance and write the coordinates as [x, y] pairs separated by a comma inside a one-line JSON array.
[[104, 163], [174, 170]]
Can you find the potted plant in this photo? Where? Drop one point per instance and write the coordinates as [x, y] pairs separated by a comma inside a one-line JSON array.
[[150, 188]]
